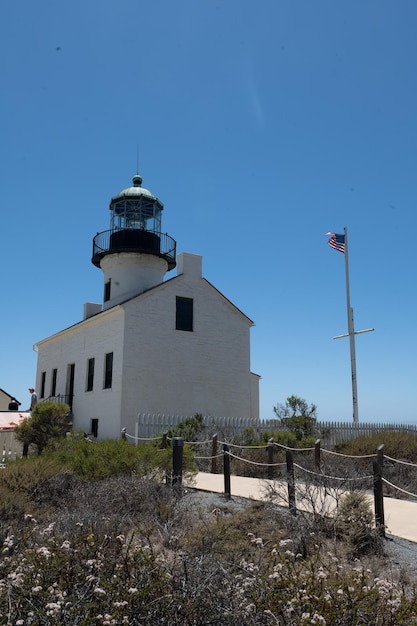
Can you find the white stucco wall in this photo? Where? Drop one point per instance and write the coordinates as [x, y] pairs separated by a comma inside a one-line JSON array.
[[156, 368], [131, 274], [179, 372], [92, 338]]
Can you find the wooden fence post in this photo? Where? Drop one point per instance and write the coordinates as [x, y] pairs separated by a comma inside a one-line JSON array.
[[270, 448], [164, 442], [380, 456], [317, 455], [291, 482], [378, 498], [226, 470], [177, 453], [214, 455]]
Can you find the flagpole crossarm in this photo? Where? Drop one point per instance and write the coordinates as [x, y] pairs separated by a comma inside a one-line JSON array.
[[355, 332]]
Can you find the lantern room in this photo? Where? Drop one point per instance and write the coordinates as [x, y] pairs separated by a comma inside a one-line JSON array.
[[136, 208]]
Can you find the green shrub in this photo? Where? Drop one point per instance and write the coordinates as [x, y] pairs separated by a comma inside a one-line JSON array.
[[26, 475], [286, 438], [400, 445], [95, 460], [189, 428], [354, 523], [48, 421]]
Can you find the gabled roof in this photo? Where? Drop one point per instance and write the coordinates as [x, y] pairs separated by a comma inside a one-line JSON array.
[[146, 294], [8, 394], [252, 323]]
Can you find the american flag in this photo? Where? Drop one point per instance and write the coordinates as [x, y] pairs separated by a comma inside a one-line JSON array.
[[337, 242]]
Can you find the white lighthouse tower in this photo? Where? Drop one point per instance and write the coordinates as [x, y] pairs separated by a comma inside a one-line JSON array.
[[134, 255]]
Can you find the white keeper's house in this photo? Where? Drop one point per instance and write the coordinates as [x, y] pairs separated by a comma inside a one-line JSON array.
[[174, 346]]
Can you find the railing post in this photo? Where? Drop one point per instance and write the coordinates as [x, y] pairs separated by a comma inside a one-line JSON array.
[[164, 446], [317, 455], [378, 498], [214, 455], [270, 449], [164, 442], [226, 470], [177, 453], [291, 482], [380, 456]]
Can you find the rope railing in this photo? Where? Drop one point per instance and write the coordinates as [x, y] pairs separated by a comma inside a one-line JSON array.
[[141, 438], [349, 456], [209, 458], [377, 464], [236, 445], [275, 444], [413, 495], [254, 462], [399, 461], [345, 478], [281, 445]]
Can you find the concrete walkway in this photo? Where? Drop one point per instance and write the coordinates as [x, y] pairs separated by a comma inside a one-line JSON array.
[[400, 515]]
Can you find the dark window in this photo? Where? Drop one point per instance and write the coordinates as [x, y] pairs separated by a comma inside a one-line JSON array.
[[43, 384], [108, 370], [90, 374], [184, 314], [70, 384], [107, 287], [53, 382], [94, 426]]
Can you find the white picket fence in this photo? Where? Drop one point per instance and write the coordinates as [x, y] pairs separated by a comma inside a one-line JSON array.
[[10, 447], [149, 425], [331, 433]]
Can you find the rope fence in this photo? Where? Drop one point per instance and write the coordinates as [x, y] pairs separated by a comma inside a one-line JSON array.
[[399, 461], [343, 479], [377, 478], [413, 495]]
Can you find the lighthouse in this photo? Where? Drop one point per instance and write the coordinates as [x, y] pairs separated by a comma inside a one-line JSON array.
[[134, 255], [156, 345]]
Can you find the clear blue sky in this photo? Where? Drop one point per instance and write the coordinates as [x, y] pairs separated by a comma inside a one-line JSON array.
[[261, 126]]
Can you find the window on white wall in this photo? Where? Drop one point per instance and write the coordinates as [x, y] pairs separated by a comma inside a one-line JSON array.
[[94, 426], [43, 378], [70, 383], [90, 374], [184, 313], [107, 290], [108, 370], [53, 382]]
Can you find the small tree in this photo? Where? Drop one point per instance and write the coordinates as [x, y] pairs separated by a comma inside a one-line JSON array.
[[297, 416], [48, 420], [189, 428]]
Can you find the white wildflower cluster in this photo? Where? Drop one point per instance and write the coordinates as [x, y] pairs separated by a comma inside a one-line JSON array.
[[43, 551], [49, 529], [258, 541]]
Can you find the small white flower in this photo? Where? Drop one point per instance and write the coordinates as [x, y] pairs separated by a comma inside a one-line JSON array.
[[99, 591], [44, 552], [285, 542]]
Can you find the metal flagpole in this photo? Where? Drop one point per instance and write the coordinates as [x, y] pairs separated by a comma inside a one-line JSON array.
[[351, 333], [342, 246]]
